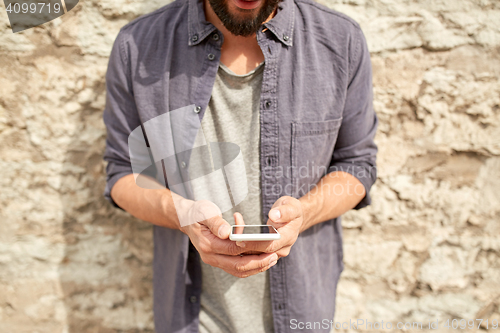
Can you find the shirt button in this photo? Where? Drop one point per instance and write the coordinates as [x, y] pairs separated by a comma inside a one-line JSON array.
[[197, 109], [194, 38], [211, 56], [268, 104], [285, 38], [215, 36], [183, 164], [193, 299]]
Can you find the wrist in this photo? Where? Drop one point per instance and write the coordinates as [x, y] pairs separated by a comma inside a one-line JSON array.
[[167, 208], [174, 208], [307, 214], [185, 212]]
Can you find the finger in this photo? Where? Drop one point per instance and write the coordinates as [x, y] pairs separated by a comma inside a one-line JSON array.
[[224, 246], [280, 247], [238, 219], [284, 252], [259, 246], [241, 265], [253, 272], [227, 247], [252, 252]]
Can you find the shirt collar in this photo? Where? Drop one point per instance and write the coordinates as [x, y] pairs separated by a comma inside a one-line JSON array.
[[281, 25], [198, 27]]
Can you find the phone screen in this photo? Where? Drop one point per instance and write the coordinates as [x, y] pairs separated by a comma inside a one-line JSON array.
[[253, 229], [253, 233]]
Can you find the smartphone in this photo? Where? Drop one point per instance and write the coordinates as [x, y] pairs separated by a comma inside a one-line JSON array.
[[253, 233]]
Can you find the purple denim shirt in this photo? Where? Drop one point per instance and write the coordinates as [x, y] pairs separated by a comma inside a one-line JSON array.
[[316, 117]]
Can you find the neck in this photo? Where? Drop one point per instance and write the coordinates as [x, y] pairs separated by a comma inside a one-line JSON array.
[[228, 36], [241, 54]]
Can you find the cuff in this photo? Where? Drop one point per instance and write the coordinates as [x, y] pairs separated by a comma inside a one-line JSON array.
[[365, 174], [111, 182]]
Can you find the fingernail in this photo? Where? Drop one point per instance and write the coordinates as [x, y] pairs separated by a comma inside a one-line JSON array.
[[275, 214], [241, 244], [273, 263], [223, 230], [273, 258]]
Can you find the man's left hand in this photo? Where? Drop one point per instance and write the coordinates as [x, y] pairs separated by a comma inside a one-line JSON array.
[[287, 217]]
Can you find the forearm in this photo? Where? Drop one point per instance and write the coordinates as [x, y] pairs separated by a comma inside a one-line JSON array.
[[333, 195], [151, 205]]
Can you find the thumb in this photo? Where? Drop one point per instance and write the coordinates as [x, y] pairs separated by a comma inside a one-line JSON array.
[[208, 214], [218, 226]]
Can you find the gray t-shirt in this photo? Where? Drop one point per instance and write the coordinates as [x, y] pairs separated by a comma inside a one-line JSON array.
[[230, 304]]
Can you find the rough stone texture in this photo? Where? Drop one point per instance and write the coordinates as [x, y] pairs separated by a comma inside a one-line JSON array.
[[428, 248]]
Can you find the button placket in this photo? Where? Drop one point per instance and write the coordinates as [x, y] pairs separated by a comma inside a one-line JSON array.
[[269, 121], [270, 161], [208, 69]]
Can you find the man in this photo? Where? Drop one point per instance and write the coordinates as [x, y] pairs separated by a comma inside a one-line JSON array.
[[290, 83]]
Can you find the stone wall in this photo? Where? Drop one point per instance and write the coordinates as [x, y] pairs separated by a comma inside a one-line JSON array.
[[428, 248]]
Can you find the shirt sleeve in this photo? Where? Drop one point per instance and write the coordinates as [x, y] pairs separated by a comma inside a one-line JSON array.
[[355, 150], [120, 116]]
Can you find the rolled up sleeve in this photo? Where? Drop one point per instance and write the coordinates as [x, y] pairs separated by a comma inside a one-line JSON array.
[[120, 116], [355, 150]]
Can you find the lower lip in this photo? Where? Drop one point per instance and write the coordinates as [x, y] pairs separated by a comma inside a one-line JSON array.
[[247, 4]]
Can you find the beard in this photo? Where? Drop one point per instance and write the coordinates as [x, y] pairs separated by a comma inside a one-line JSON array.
[[242, 26]]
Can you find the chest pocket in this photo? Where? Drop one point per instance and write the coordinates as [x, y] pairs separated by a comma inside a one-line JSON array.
[[312, 150]]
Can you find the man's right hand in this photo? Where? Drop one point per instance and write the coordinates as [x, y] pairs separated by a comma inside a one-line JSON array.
[[210, 237]]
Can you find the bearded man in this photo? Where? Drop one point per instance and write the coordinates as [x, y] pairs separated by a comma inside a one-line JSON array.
[[288, 82]]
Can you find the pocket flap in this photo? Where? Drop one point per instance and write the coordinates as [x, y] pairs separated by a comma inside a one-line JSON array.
[[316, 127]]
